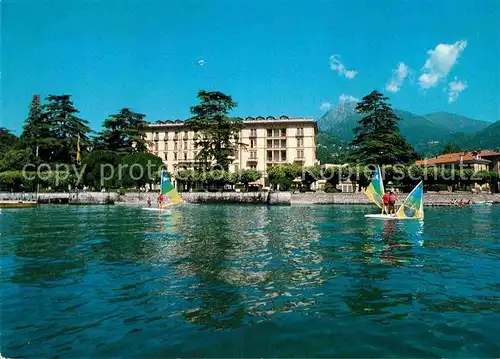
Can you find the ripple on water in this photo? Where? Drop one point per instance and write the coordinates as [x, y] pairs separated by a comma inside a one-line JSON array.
[[245, 281]]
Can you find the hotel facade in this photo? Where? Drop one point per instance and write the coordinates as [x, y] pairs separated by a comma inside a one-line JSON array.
[[266, 142]]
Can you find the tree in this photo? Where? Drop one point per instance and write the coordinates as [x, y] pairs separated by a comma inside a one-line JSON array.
[[247, 176], [35, 129], [450, 148], [218, 138], [282, 176], [139, 169], [124, 132], [100, 169], [65, 128], [378, 140], [8, 140]]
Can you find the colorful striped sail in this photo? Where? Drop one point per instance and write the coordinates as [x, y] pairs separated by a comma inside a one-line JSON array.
[[413, 205], [168, 189], [375, 191]]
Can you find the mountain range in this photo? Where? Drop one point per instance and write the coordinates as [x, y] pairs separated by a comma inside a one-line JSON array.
[[428, 134]]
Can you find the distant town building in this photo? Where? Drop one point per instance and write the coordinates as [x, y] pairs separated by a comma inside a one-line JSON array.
[[268, 141], [481, 160]]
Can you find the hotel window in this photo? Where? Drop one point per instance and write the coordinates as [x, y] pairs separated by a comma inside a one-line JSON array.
[[276, 132], [156, 146], [166, 157], [185, 156], [185, 135], [165, 136], [175, 146], [300, 142], [185, 145], [276, 156], [300, 153], [276, 143], [253, 132], [269, 133], [269, 143], [175, 156], [157, 136], [300, 131], [253, 155], [283, 132], [253, 143], [283, 156], [283, 143], [269, 155]]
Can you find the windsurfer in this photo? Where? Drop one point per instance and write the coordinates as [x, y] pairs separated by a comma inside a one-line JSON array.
[[385, 206], [392, 203], [160, 199]]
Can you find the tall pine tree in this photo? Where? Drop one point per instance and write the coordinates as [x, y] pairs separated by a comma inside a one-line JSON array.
[[218, 133], [35, 129], [378, 140], [124, 132], [65, 129]]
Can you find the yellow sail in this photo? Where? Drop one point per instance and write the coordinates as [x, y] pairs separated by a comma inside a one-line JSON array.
[[168, 189], [375, 191]]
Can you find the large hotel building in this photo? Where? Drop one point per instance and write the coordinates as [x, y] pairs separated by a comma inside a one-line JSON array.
[[268, 141]]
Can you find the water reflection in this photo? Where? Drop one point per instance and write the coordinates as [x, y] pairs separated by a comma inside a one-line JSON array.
[[136, 274]]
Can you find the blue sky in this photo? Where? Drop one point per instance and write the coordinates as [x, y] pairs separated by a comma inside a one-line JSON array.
[[273, 57]]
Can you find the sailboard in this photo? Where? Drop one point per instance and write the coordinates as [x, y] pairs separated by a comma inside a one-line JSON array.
[[168, 190]]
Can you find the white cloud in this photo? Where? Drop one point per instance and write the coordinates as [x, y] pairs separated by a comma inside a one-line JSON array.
[[454, 89], [347, 98], [337, 65], [325, 106], [201, 62], [398, 77], [440, 62]]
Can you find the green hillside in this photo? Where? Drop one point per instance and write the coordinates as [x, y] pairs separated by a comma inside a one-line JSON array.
[[427, 134], [488, 138]]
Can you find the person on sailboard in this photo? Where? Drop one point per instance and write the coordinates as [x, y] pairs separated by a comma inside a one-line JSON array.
[[392, 203], [160, 199], [385, 207]]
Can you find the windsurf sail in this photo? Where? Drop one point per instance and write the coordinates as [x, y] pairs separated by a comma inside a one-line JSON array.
[[375, 190], [168, 189], [413, 205]]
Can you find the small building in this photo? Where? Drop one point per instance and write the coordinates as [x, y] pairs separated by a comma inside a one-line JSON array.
[[481, 160]]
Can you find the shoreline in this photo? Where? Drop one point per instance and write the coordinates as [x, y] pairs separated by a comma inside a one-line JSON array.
[[256, 198]]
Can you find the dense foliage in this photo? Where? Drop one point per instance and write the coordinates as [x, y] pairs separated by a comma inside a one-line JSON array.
[[217, 133], [378, 140]]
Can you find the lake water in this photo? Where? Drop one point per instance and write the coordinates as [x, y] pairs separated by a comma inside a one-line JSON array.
[[248, 281]]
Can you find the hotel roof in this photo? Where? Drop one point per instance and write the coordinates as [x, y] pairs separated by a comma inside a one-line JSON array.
[[258, 119]]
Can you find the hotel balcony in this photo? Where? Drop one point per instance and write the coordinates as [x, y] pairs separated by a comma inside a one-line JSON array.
[[299, 159], [156, 138], [253, 135], [176, 137]]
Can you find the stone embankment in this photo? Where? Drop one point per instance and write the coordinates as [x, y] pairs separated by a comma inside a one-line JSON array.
[[430, 199], [262, 198]]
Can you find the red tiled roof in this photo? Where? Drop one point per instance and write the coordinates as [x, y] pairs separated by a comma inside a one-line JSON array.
[[455, 157]]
